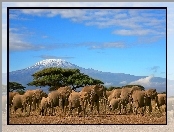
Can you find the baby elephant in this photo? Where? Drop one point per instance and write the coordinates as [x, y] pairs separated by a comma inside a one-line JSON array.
[[116, 103], [44, 105]]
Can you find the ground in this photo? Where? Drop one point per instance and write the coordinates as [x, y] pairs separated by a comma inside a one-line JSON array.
[[109, 118]]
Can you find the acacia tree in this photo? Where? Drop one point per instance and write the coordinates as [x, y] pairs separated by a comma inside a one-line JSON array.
[[14, 86], [57, 77]]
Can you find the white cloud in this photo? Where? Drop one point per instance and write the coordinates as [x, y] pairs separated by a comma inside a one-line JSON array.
[[99, 18], [169, 5], [148, 83], [132, 32], [17, 42]]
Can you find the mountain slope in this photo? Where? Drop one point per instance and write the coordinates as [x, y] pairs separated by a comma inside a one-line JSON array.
[[24, 76]]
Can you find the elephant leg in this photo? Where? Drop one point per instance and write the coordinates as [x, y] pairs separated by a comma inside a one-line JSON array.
[[150, 108], [79, 110], [45, 111], [40, 112], [70, 110], [14, 110], [51, 110], [37, 106], [105, 104], [29, 105], [131, 111], [144, 109], [84, 108], [91, 108], [97, 103], [22, 109], [119, 108], [136, 110], [65, 107], [34, 105], [124, 109], [29, 109], [92, 105], [84, 111]]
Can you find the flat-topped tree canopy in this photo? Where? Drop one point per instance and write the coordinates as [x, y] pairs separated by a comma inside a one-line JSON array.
[[57, 77]]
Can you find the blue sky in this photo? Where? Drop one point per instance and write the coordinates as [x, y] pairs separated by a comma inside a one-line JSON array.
[[119, 41]]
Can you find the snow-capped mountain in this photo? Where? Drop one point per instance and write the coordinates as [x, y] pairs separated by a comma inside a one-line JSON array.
[[23, 76], [53, 63]]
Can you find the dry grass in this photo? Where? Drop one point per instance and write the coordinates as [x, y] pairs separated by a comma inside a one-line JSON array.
[[109, 118]]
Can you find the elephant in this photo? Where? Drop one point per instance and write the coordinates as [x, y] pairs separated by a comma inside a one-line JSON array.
[[84, 100], [74, 102], [151, 94], [44, 95], [108, 93], [20, 101], [138, 101], [115, 103], [125, 95], [114, 94], [102, 100], [11, 95], [161, 100], [64, 93], [95, 92], [35, 97], [53, 100], [44, 106]]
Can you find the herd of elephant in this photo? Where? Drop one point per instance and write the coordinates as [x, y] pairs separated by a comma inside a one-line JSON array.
[[88, 97]]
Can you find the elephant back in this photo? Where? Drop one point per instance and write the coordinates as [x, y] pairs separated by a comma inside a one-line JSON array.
[[54, 97], [116, 93], [11, 95], [74, 99], [108, 93], [125, 92], [64, 92]]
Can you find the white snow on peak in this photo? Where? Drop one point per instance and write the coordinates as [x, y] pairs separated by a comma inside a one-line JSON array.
[[51, 63], [55, 62]]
